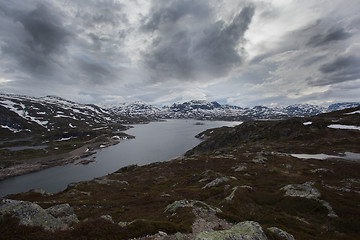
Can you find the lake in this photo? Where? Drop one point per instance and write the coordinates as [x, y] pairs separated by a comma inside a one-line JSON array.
[[154, 142]]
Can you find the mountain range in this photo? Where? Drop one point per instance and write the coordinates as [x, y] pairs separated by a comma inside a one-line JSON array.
[[21, 114], [204, 110]]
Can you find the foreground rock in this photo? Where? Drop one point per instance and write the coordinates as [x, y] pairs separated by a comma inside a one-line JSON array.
[[248, 230], [31, 214]]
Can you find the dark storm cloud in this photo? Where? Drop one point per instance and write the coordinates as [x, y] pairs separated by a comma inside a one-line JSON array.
[[183, 52], [46, 32], [35, 45], [328, 37], [94, 72], [343, 68]]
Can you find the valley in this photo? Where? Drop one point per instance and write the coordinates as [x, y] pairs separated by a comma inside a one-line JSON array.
[[239, 182]]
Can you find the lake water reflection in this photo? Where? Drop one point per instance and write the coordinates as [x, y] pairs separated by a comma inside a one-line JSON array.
[[156, 141]]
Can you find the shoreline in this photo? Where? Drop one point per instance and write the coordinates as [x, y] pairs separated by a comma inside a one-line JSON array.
[[38, 164]]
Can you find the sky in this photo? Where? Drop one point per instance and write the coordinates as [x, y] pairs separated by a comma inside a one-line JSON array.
[[237, 52]]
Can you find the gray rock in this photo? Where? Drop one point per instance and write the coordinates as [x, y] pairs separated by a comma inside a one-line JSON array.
[[179, 236], [40, 191], [232, 194], [281, 233], [259, 158], [304, 190], [63, 212], [247, 230], [216, 182], [107, 181], [124, 224], [107, 218], [240, 168], [30, 214]]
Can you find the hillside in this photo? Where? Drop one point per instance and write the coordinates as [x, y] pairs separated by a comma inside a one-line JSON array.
[[36, 133], [246, 182]]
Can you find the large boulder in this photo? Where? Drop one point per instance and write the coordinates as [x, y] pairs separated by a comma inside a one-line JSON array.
[[30, 214], [247, 230], [304, 190]]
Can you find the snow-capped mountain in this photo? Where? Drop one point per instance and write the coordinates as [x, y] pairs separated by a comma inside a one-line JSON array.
[[135, 109], [341, 106], [200, 109], [21, 114], [24, 114]]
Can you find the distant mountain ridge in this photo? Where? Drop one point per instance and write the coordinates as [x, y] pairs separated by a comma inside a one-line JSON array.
[[20, 114], [200, 109]]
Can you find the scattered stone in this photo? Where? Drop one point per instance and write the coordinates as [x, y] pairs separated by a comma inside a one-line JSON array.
[[162, 234], [216, 182], [107, 181], [259, 158], [30, 214], [189, 203], [124, 224], [329, 208], [240, 168], [107, 218], [232, 194], [248, 230], [281, 233], [322, 170], [179, 236]]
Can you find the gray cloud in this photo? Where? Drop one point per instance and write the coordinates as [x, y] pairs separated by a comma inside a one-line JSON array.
[[290, 51], [331, 35], [36, 43], [95, 72], [165, 14], [210, 50], [47, 35], [343, 68]]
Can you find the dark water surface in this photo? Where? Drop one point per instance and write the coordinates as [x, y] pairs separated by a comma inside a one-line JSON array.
[[154, 142]]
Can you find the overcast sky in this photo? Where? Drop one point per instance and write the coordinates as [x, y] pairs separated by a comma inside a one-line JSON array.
[[245, 53]]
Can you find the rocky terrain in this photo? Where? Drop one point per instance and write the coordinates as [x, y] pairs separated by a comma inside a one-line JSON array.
[[252, 181]]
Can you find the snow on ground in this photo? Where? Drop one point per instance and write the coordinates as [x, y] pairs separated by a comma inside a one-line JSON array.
[[307, 123], [355, 112], [65, 139], [14, 130], [321, 156], [339, 126], [23, 113]]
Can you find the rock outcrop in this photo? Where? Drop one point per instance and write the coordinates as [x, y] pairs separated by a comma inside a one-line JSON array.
[[31, 214], [248, 230], [63, 212]]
